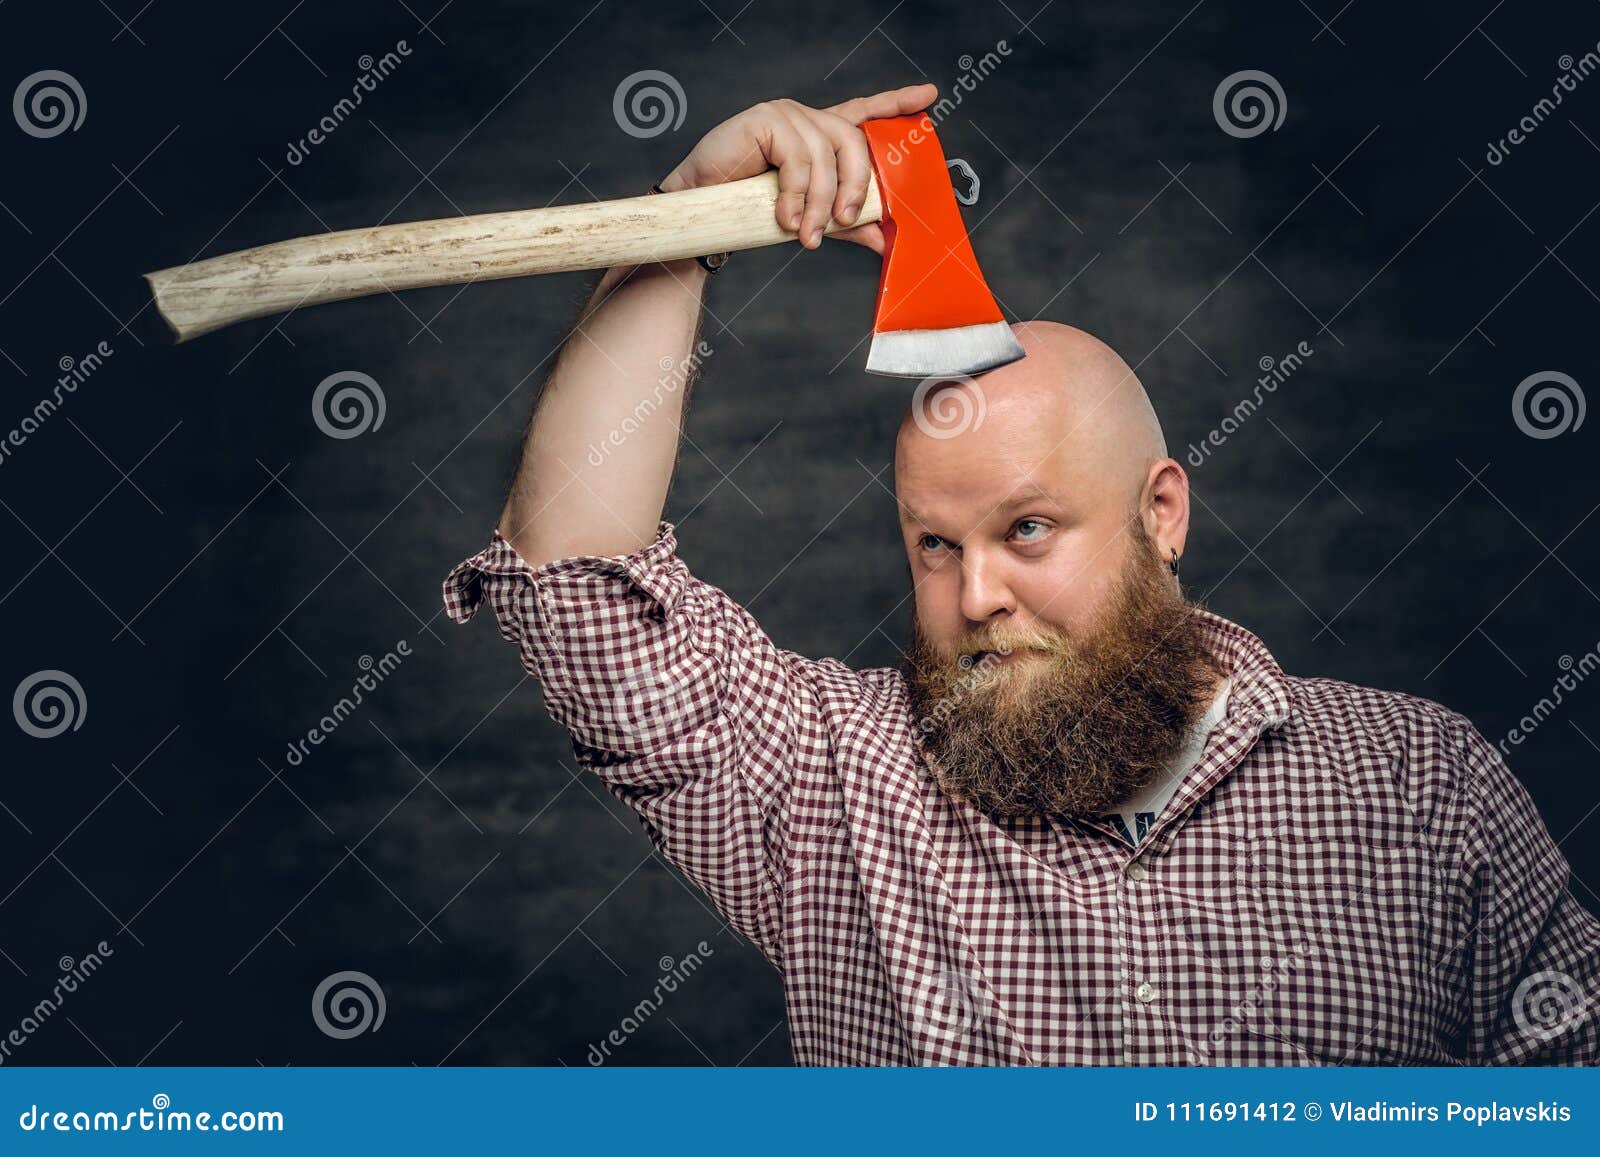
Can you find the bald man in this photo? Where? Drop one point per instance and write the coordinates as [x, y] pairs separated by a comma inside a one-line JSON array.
[[1085, 821]]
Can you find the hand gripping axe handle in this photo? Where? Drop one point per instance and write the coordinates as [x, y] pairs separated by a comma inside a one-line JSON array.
[[935, 313]]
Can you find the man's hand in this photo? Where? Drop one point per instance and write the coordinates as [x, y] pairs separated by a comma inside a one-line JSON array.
[[821, 156]]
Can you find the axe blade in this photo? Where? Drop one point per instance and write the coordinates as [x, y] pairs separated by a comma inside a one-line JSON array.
[[936, 315], [954, 352]]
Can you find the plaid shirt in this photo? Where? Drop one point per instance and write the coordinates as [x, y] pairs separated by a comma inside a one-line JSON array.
[[1347, 876]]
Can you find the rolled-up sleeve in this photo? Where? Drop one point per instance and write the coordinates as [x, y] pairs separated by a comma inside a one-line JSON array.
[[1535, 948], [673, 696]]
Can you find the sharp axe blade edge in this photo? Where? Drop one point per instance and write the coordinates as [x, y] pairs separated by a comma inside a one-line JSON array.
[[955, 352]]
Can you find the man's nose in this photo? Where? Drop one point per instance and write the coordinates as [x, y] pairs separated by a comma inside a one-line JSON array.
[[984, 591]]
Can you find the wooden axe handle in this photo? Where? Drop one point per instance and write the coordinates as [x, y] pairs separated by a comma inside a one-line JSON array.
[[206, 295]]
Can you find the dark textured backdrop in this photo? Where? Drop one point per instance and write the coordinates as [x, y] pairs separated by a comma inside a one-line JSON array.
[[183, 540]]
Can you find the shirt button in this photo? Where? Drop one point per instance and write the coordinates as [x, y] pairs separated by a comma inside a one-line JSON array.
[[1136, 871], [1146, 992]]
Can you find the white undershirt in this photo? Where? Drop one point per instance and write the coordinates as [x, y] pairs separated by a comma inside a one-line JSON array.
[[1136, 815]]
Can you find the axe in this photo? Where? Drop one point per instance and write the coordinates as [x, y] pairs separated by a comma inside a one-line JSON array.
[[935, 313]]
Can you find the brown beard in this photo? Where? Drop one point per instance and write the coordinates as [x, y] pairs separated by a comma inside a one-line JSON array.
[[1080, 727]]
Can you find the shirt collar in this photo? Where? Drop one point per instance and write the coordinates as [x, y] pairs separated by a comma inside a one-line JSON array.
[[1259, 697]]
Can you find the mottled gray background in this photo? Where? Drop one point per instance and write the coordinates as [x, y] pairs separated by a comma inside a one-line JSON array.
[[184, 541]]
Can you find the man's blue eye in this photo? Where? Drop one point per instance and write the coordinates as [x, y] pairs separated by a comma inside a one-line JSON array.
[[1027, 522]]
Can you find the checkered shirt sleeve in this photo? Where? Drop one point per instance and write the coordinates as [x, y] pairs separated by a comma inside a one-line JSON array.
[[1535, 950], [673, 696]]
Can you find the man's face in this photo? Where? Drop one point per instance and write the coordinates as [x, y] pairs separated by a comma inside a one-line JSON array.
[[1056, 665], [1006, 529]]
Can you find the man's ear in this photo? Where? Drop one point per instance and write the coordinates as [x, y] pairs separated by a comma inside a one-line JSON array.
[[1164, 506]]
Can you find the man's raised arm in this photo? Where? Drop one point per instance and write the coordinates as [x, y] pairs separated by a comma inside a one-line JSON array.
[[582, 490], [673, 695]]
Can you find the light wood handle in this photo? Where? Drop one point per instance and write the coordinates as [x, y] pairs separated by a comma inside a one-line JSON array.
[[206, 295]]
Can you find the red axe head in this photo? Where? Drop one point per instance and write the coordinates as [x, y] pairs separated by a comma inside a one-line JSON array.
[[936, 315]]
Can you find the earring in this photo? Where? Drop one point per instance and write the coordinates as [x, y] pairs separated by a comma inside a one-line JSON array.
[[1173, 565]]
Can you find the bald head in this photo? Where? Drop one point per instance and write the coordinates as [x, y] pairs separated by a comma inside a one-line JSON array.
[[1072, 399]]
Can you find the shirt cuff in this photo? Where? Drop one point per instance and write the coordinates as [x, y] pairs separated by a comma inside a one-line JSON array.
[[654, 569]]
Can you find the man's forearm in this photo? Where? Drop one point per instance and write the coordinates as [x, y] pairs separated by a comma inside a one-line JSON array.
[[599, 453]]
